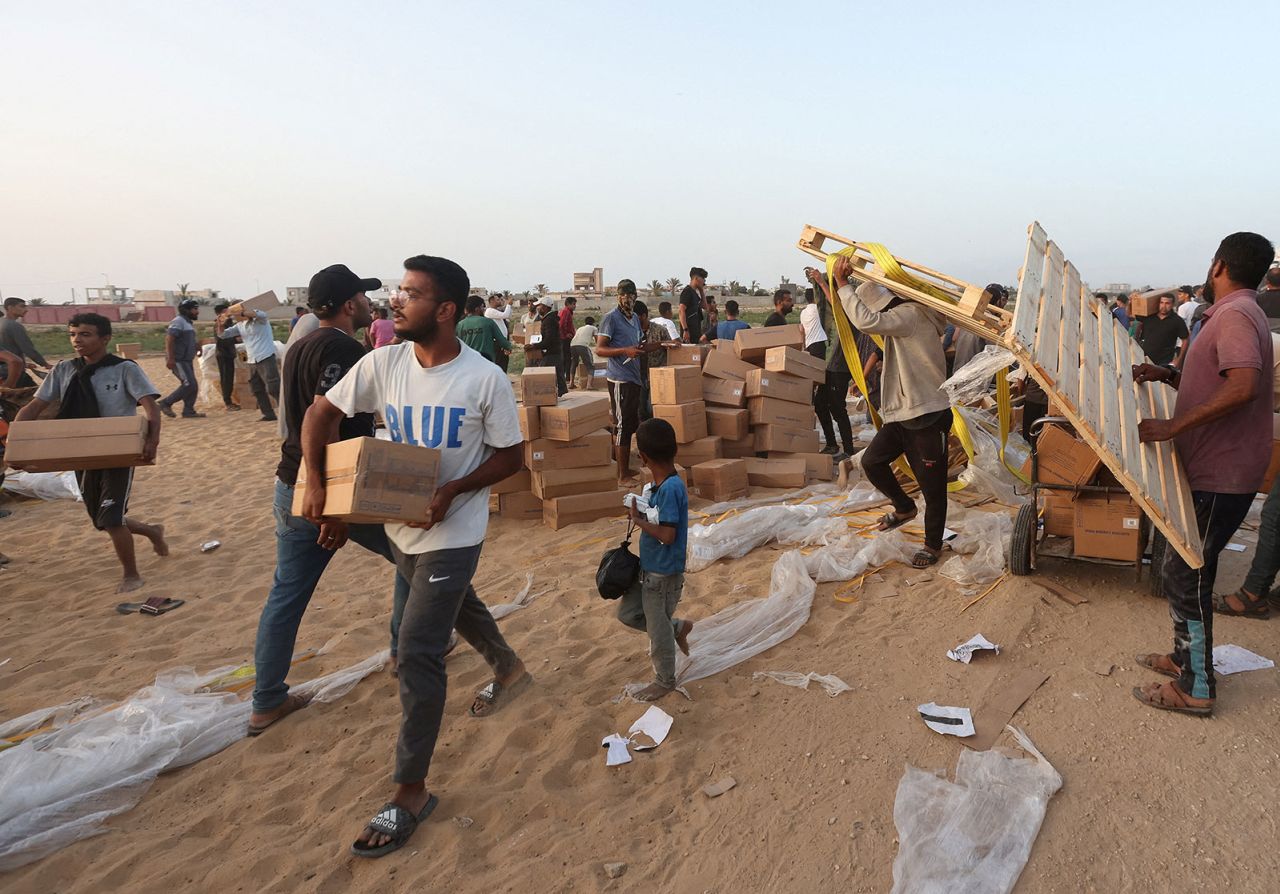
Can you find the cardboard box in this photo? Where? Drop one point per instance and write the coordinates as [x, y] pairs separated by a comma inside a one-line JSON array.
[[1061, 459], [532, 357], [775, 472], [646, 477], [129, 350], [520, 506], [73, 445], [726, 365], [595, 449], [264, 302], [370, 480], [724, 392], [242, 374], [721, 479], [740, 448], [699, 451], [517, 482], [762, 383], [689, 420], [1106, 527], [530, 422], [817, 466], [1146, 304], [563, 511], [753, 344], [538, 386], [801, 364], [675, 384], [1059, 513], [772, 411], [727, 422], [687, 355], [567, 482], [574, 416], [599, 376], [784, 439]]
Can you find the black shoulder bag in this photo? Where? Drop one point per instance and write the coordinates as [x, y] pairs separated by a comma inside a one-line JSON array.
[[619, 568]]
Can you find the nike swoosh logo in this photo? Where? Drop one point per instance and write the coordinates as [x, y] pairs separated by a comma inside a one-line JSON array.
[[435, 580]]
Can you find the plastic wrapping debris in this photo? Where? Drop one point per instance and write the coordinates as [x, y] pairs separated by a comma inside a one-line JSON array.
[[974, 835], [983, 541], [985, 472], [58, 787], [42, 485], [522, 599], [850, 556], [971, 381], [830, 683], [741, 631], [207, 371]]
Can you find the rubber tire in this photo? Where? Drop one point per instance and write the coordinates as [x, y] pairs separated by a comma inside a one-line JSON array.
[[1155, 580], [1022, 543]]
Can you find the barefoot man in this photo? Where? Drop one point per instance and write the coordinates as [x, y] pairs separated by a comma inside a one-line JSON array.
[[432, 391], [93, 385]]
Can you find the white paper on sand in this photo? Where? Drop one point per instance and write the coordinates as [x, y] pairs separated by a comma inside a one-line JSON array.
[[947, 720], [965, 651], [830, 683], [646, 734], [1236, 547], [1233, 659]]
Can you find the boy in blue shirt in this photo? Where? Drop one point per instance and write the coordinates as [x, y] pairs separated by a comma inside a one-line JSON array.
[[650, 604]]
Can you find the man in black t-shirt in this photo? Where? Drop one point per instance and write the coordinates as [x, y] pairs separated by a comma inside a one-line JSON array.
[[693, 307], [782, 304], [1158, 334], [313, 365], [224, 350]]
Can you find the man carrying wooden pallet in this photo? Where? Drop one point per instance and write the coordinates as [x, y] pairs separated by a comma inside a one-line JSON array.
[[916, 413], [1222, 428]]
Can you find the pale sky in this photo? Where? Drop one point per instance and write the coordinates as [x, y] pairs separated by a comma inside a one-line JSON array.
[[243, 146]]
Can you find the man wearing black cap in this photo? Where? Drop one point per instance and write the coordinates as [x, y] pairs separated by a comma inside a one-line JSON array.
[[180, 358], [313, 365]]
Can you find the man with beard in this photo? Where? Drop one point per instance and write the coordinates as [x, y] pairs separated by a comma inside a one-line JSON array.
[[1159, 334], [433, 391], [622, 342], [693, 306], [1222, 428], [314, 364], [180, 359]]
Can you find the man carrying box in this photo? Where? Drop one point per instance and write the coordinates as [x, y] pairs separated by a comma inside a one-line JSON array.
[[313, 365], [432, 391], [1222, 427], [916, 414], [260, 350], [94, 385]]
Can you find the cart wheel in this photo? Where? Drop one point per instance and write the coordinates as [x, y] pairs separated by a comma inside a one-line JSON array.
[[1156, 577], [1022, 544]]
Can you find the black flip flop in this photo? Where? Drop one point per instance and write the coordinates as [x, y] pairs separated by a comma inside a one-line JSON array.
[[891, 520], [156, 605], [397, 822]]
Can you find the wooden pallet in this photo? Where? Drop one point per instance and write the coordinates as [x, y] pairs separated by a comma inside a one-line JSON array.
[[1081, 357]]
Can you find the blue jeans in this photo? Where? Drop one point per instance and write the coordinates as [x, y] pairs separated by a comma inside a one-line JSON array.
[[300, 563]]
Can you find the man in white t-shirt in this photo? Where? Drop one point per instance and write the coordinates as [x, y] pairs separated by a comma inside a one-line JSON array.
[[500, 311], [432, 391]]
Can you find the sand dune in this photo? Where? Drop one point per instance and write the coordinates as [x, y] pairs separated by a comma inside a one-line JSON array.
[[1151, 801]]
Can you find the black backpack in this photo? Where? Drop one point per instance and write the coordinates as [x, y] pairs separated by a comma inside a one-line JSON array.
[[619, 568]]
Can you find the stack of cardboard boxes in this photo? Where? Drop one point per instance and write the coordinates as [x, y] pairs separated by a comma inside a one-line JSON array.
[[569, 474]]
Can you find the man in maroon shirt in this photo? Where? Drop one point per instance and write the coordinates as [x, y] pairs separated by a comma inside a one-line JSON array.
[[1221, 427], [567, 331]]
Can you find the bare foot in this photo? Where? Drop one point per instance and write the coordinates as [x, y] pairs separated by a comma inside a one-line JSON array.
[[158, 543], [653, 692], [393, 666], [410, 798], [682, 638], [129, 584]]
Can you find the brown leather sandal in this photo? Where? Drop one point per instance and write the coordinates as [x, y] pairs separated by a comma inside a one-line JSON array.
[[1251, 606], [1168, 697], [1161, 664]]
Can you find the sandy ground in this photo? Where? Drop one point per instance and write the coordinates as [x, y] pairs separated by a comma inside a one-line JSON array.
[[1151, 801]]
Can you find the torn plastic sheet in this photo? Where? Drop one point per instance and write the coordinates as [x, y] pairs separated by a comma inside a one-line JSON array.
[[58, 787], [974, 835], [985, 472], [521, 600], [42, 485], [971, 381], [830, 683], [983, 545], [850, 556]]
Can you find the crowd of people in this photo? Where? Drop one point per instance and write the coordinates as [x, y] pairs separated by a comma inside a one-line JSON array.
[[439, 348]]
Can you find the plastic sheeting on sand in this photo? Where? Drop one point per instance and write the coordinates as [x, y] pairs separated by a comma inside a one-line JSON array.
[[974, 835], [58, 787], [42, 485], [830, 683], [973, 380], [982, 544]]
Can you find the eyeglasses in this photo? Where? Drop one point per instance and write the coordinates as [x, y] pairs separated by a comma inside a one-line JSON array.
[[400, 297]]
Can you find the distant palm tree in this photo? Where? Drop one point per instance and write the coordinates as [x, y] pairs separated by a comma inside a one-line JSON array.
[[182, 290], [541, 289], [674, 283], [655, 287], [755, 287], [36, 302], [735, 287]]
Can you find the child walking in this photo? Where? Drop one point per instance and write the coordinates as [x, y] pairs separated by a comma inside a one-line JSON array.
[[650, 604]]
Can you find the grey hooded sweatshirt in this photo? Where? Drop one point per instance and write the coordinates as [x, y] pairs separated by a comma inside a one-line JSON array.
[[915, 365]]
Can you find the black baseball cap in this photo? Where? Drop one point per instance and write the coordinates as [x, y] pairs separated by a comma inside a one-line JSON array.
[[335, 285], [188, 304]]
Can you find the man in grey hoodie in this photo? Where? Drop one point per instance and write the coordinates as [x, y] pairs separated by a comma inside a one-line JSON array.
[[916, 413]]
